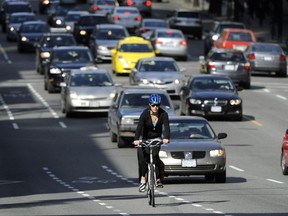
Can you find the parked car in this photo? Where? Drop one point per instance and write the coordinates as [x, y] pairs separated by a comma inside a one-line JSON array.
[[129, 17], [30, 33], [104, 38], [267, 58], [71, 17], [160, 72], [14, 22], [194, 149], [284, 154], [189, 22], [211, 96], [85, 25], [103, 6], [169, 42], [127, 106], [149, 24], [47, 42], [87, 90], [235, 39], [62, 60], [127, 53], [216, 30], [144, 6], [232, 63]]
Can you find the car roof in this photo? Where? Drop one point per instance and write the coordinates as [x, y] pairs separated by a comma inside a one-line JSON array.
[[89, 70], [238, 30], [167, 29], [23, 14], [35, 22], [162, 58], [57, 34], [110, 25], [142, 89], [229, 22], [192, 118], [154, 19], [71, 47], [134, 39], [210, 76], [77, 12]]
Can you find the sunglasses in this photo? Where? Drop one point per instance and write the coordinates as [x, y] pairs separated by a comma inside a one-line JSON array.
[[154, 105]]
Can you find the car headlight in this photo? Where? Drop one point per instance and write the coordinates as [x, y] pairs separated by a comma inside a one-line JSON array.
[[24, 39], [177, 81], [102, 48], [112, 95], [127, 121], [83, 32], [12, 29], [217, 153], [55, 71], [145, 81], [163, 154], [58, 22], [68, 28], [195, 101], [215, 37], [73, 95], [235, 102], [45, 54]]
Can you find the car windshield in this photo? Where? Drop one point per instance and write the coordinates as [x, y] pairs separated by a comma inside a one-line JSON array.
[[92, 20], [111, 34], [141, 100], [212, 84], [34, 28], [228, 56], [72, 17], [169, 34], [135, 48], [67, 56], [188, 14], [21, 19], [106, 2], [58, 41], [90, 80], [240, 36], [17, 8], [159, 66], [156, 24], [191, 129], [266, 48]]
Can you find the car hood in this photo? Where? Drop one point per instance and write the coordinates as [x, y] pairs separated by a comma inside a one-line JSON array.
[[192, 145], [136, 112], [94, 92], [32, 35], [214, 94], [70, 65], [107, 43], [164, 76]]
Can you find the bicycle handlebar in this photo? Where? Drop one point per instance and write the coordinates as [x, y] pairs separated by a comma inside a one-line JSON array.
[[151, 142]]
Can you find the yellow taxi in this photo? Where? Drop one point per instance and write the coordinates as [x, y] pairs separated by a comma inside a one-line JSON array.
[[127, 53]]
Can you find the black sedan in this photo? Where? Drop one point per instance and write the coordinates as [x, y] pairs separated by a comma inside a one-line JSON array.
[[62, 61], [211, 96], [30, 33], [46, 44]]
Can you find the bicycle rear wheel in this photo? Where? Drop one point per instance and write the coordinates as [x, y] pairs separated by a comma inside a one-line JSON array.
[[151, 193]]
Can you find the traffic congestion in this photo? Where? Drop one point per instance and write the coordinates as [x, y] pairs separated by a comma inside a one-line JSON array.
[[75, 77]]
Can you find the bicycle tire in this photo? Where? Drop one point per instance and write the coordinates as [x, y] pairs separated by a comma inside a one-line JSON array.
[[152, 185]]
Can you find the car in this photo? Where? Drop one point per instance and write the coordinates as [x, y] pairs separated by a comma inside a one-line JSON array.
[[61, 61], [30, 33], [267, 58], [129, 17], [45, 4], [47, 42], [127, 106], [216, 30], [85, 25], [232, 38], [194, 149], [284, 154], [104, 38], [232, 63], [87, 90], [103, 6], [210, 96], [14, 21], [144, 6], [71, 17], [160, 72], [149, 24], [189, 22], [55, 17], [127, 53], [10, 7], [169, 42]]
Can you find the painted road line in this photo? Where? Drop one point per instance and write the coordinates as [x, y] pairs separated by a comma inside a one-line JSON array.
[[5, 54], [275, 181], [236, 168], [281, 97]]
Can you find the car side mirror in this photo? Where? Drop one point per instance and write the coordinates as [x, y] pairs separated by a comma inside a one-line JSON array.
[[222, 135]]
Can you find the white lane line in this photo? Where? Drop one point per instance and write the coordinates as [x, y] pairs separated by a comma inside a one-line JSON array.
[[5, 54], [63, 125], [15, 126], [275, 181], [281, 97], [236, 168], [266, 90], [9, 113]]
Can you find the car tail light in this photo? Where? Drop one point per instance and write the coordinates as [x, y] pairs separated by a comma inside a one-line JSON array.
[[211, 65], [116, 18], [148, 3], [247, 66], [282, 58], [144, 30], [139, 18], [158, 42], [251, 56], [183, 43], [129, 2], [224, 44], [95, 8]]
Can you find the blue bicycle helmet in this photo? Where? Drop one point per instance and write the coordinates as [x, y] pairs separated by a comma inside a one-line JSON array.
[[155, 99]]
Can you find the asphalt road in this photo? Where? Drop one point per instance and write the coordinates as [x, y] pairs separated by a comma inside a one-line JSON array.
[[50, 165]]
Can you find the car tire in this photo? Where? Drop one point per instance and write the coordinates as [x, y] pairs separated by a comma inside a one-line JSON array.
[[247, 85], [282, 73], [50, 88], [113, 136], [220, 177], [120, 142], [284, 168]]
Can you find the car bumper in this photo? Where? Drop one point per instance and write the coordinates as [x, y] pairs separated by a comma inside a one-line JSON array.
[[172, 51], [268, 67], [236, 76], [190, 30], [78, 105], [172, 90]]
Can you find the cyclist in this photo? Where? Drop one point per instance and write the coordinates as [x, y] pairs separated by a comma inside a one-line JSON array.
[[150, 126]]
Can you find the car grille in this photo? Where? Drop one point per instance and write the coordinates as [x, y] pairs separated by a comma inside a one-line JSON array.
[[198, 167], [195, 155], [136, 121], [215, 102]]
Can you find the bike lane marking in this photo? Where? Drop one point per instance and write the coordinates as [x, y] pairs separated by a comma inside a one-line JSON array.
[[9, 113]]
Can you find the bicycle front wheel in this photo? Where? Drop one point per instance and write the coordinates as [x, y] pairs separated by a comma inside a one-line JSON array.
[[152, 186]]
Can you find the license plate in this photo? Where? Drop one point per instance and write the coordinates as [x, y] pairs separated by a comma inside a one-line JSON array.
[[169, 44], [229, 67], [216, 109], [189, 163], [268, 58], [83, 103], [94, 104], [241, 48]]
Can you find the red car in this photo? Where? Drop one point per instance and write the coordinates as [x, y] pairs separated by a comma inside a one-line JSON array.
[[284, 154], [238, 39]]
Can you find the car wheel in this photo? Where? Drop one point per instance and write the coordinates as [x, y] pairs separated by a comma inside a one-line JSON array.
[[284, 168], [120, 142], [113, 136], [209, 177], [50, 88], [220, 177], [282, 73], [247, 85], [45, 84]]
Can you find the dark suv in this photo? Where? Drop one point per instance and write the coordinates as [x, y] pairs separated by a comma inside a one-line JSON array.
[[144, 6]]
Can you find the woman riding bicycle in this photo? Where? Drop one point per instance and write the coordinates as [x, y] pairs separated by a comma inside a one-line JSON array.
[[150, 126]]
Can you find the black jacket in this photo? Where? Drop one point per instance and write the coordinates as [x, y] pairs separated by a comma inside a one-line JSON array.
[[146, 128]]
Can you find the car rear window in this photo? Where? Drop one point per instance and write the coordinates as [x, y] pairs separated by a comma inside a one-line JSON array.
[[228, 56], [111, 34], [266, 48], [188, 14], [93, 79], [159, 66], [169, 34], [135, 48], [240, 36]]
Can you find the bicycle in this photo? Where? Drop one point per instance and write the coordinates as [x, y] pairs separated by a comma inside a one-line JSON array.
[[151, 174]]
